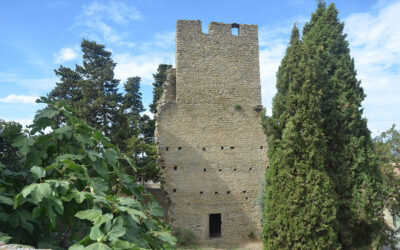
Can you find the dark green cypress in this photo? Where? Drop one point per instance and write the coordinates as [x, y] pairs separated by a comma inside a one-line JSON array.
[[349, 160], [327, 104], [300, 205]]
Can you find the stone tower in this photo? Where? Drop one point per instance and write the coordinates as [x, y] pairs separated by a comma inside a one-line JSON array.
[[211, 146]]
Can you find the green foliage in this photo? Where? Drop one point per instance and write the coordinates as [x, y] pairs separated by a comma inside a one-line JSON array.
[[92, 91], [237, 106], [387, 147], [158, 85], [185, 237], [320, 149], [68, 188]]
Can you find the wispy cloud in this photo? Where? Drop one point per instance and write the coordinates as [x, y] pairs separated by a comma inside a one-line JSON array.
[[37, 84], [97, 20], [65, 54], [374, 42], [148, 56], [25, 99]]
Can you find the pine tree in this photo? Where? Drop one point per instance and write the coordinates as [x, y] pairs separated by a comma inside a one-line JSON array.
[[300, 205], [159, 79], [101, 97]]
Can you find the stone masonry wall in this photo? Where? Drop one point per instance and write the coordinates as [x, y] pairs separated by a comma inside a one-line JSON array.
[[212, 150]]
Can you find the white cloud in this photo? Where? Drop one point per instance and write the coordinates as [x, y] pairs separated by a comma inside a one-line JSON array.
[[143, 65], [26, 99], [149, 55], [38, 84], [374, 39], [97, 20], [65, 54]]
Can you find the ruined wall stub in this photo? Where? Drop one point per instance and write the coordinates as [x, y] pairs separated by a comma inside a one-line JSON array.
[[212, 150]]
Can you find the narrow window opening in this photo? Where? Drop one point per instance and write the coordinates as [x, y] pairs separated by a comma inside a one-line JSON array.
[[174, 190], [204, 149], [163, 167], [166, 148], [175, 168], [232, 147], [261, 147], [228, 192], [247, 198], [204, 169], [179, 148], [235, 29], [250, 169], [222, 148], [215, 225], [201, 192]]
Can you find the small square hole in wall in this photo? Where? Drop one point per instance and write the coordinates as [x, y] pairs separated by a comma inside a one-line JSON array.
[[166, 149], [232, 147], [261, 147], [235, 29], [234, 169], [222, 148], [216, 193], [250, 169], [228, 192], [244, 191], [201, 192], [204, 149], [174, 190], [163, 167], [175, 168], [179, 148], [204, 169], [219, 170]]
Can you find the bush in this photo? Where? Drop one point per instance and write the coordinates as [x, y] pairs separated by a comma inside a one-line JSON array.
[[185, 237], [68, 188]]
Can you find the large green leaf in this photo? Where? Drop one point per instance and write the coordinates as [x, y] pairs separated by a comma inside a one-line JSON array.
[[38, 172], [97, 246], [89, 214], [123, 244], [117, 229], [64, 132], [111, 156], [23, 143], [6, 200], [4, 237], [37, 191], [96, 234], [155, 209]]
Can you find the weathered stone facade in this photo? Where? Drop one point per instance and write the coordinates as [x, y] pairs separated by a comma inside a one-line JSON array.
[[211, 146]]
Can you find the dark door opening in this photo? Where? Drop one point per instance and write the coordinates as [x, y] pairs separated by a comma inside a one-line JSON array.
[[215, 225]]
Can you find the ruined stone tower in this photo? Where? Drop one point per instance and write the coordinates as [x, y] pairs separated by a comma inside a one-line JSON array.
[[212, 150]]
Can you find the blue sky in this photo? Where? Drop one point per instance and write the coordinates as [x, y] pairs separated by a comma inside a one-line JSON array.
[[38, 36]]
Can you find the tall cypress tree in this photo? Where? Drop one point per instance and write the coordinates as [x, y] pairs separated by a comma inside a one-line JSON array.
[[349, 160], [300, 205], [346, 154]]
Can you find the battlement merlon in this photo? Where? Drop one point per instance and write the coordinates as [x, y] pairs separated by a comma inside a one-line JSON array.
[[188, 27]]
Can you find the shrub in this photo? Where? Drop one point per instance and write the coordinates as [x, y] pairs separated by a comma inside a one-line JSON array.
[[68, 188]]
